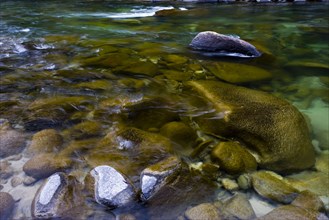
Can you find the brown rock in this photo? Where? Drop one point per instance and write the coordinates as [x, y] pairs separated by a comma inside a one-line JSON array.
[[12, 142], [45, 141], [204, 211], [6, 205], [289, 212], [308, 200], [269, 126], [238, 207], [233, 158], [271, 186], [43, 165]]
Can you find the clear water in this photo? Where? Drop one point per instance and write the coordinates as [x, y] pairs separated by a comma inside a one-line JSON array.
[[55, 49]]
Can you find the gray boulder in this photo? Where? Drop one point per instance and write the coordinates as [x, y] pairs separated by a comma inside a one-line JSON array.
[[210, 41], [156, 176], [111, 188]]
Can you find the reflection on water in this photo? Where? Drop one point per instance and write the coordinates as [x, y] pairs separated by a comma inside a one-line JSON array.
[[118, 65]]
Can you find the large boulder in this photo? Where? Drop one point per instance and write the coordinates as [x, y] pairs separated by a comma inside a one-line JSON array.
[[210, 41], [273, 129], [205, 211]]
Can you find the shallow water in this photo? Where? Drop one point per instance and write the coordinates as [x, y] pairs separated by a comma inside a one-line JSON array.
[[67, 62]]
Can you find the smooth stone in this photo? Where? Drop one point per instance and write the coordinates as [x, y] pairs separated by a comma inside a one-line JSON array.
[[210, 41], [316, 182], [29, 181], [44, 165], [111, 187], [7, 204], [204, 211], [45, 141], [157, 175], [15, 181], [6, 170], [238, 207], [68, 103], [272, 186], [280, 141], [141, 68], [309, 200], [233, 158], [179, 132], [83, 130], [230, 185], [125, 217], [237, 72], [244, 181], [12, 142], [288, 212]]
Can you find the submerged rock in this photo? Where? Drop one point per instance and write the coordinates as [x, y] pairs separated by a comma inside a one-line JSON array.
[[179, 133], [154, 177], [288, 212], [272, 186], [308, 200], [204, 211], [237, 72], [111, 188], [12, 142], [6, 205], [44, 165], [210, 41], [45, 141], [238, 207], [233, 158], [58, 195], [273, 129], [47, 201]]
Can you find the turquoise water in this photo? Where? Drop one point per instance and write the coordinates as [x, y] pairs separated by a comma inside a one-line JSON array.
[[67, 62]]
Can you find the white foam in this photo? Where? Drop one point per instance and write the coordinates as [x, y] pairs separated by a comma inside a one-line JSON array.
[[133, 13]]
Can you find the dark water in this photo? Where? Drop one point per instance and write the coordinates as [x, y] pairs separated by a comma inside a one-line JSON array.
[[67, 62]]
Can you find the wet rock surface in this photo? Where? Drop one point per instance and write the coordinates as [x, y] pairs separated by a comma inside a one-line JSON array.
[[44, 165], [233, 158], [57, 196], [210, 41], [12, 142], [237, 207], [272, 186], [206, 211], [231, 72], [156, 176], [46, 141], [281, 141], [111, 188], [6, 205], [293, 212], [308, 200]]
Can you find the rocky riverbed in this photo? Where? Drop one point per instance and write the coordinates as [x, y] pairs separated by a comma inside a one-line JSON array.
[[122, 115]]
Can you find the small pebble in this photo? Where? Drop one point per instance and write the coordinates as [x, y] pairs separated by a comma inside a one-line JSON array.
[[29, 181], [15, 181], [229, 184]]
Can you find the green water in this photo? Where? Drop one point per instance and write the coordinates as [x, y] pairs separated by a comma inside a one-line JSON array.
[[67, 62]]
